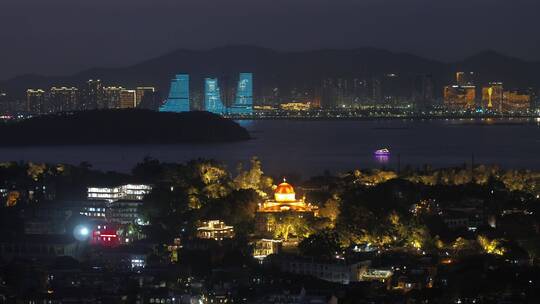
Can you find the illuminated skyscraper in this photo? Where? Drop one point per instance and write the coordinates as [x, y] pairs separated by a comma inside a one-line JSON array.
[[143, 92], [492, 96], [111, 97], [63, 99], [328, 94], [459, 97], [516, 101], [35, 101], [212, 97], [147, 98], [178, 100], [5, 104], [243, 104], [377, 94], [92, 95], [128, 99], [227, 90], [460, 78], [462, 95], [423, 91]]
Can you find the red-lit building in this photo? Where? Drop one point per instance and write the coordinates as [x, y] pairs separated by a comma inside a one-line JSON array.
[[105, 235]]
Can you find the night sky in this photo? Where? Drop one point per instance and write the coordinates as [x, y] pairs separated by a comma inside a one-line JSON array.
[[65, 36]]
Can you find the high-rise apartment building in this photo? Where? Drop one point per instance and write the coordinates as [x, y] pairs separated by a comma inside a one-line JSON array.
[[92, 95], [178, 100], [516, 101], [462, 95], [492, 96], [5, 104], [148, 98], [63, 99], [328, 94], [243, 103], [35, 101], [423, 91], [128, 99], [143, 92], [344, 98], [360, 89], [459, 97], [227, 90], [212, 97], [111, 97], [376, 90]]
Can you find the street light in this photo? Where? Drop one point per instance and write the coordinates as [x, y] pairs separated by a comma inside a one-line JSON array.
[[81, 232]]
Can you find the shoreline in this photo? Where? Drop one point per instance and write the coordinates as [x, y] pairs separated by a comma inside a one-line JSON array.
[[372, 118]]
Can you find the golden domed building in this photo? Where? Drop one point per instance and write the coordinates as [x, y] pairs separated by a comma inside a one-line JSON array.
[[285, 201], [283, 204]]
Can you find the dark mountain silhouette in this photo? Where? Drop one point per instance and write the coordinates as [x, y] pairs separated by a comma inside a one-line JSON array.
[[121, 127], [492, 66], [288, 69]]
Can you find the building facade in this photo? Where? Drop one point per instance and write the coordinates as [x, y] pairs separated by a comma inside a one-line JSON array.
[[215, 230], [92, 95], [212, 97], [516, 101], [265, 247], [147, 98], [178, 100], [111, 97], [35, 101], [284, 203], [123, 192], [63, 99], [123, 211], [492, 96], [243, 103], [128, 99], [458, 97]]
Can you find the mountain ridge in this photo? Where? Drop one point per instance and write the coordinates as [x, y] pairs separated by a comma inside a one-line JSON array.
[[286, 68]]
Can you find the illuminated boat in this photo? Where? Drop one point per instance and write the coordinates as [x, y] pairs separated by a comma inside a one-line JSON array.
[[382, 152]]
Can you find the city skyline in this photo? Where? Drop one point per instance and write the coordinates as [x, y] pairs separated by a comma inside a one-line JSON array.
[[288, 77], [405, 95], [270, 151]]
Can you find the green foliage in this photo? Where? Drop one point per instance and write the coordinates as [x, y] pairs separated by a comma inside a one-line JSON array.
[[331, 209], [491, 246], [324, 243], [290, 225], [373, 177], [253, 178], [237, 209], [462, 245], [380, 215], [203, 189], [36, 171], [514, 180]]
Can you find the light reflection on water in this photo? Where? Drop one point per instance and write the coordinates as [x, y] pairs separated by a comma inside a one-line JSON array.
[[246, 123], [311, 147], [382, 159]]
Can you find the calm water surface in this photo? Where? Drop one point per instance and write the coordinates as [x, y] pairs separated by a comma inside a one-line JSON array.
[[310, 147]]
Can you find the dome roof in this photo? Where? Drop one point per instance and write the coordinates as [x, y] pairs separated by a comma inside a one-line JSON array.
[[284, 188]]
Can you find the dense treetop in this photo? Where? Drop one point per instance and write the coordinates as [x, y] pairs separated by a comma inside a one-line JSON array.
[[121, 127]]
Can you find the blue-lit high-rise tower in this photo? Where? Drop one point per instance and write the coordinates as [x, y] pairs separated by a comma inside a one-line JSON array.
[[212, 96], [178, 100], [243, 103]]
